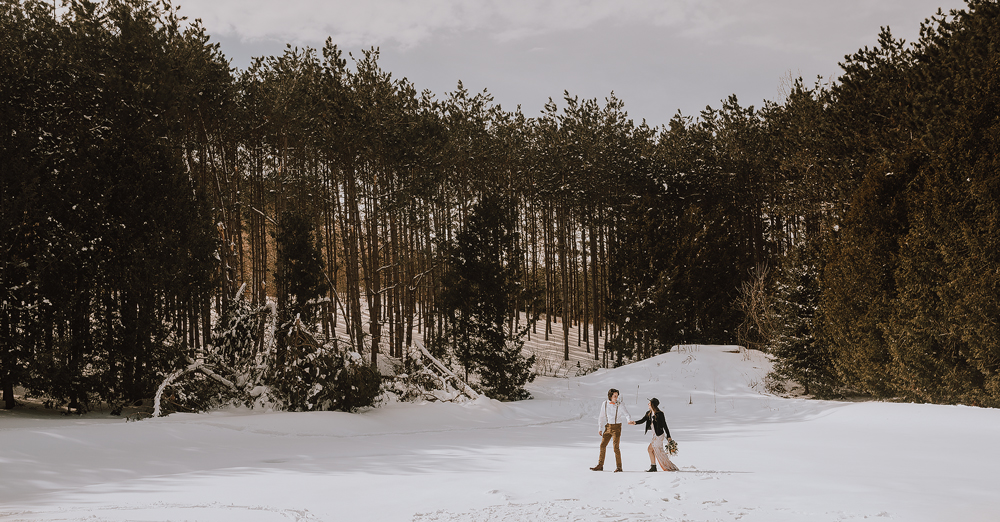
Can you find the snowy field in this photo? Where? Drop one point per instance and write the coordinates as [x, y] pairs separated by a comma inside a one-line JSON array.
[[744, 455]]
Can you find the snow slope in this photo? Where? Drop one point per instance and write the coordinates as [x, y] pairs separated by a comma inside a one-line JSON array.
[[744, 455]]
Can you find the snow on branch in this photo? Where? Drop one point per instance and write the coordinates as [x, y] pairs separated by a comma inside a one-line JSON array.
[[461, 385]]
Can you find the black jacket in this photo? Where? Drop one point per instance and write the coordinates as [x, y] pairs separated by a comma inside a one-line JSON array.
[[658, 421]]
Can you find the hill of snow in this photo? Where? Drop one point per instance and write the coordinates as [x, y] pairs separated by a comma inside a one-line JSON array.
[[744, 455]]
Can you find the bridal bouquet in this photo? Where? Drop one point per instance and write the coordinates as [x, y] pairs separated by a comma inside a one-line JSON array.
[[671, 447]]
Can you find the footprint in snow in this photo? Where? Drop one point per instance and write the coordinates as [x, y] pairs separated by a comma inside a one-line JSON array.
[[499, 493]]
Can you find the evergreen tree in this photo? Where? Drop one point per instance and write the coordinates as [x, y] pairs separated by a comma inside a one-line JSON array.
[[693, 231], [945, 338], [868, 129], [113, 248], [25, 31], [859, 288], [481, 284], [798, 354], [300, 277], [904, 277]]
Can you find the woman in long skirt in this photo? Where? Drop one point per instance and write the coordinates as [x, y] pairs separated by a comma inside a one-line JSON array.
[[654, 417]]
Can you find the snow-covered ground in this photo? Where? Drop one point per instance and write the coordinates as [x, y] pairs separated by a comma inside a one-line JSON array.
[[744, 455]]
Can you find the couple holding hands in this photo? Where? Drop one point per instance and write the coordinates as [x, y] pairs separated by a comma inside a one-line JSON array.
[[610, 427]]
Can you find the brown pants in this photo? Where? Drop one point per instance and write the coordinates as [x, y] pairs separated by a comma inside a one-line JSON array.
[[611, 431]]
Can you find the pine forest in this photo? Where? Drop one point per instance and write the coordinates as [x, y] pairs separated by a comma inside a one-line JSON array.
[[173, 225]]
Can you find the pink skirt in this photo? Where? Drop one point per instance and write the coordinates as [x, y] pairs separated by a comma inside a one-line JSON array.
[[661, 453]]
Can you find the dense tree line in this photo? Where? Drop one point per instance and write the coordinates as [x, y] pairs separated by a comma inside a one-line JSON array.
[[908, 273], [850, 230], [108, 261]]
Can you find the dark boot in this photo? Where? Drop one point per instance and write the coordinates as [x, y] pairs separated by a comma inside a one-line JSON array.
[[652, 467], [597, 468]]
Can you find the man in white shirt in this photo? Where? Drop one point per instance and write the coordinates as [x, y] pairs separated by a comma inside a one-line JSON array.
[[609, 423]]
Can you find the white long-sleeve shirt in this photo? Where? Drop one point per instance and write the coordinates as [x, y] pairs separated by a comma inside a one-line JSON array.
[[612, 414]]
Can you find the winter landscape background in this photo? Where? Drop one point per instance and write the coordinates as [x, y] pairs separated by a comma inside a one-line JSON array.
[[308, 280]]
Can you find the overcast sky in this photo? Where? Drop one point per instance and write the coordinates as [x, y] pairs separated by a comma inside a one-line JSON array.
[[658, 56]]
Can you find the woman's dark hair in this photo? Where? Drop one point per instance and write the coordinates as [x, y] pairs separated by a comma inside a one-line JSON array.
[[655, 403]]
